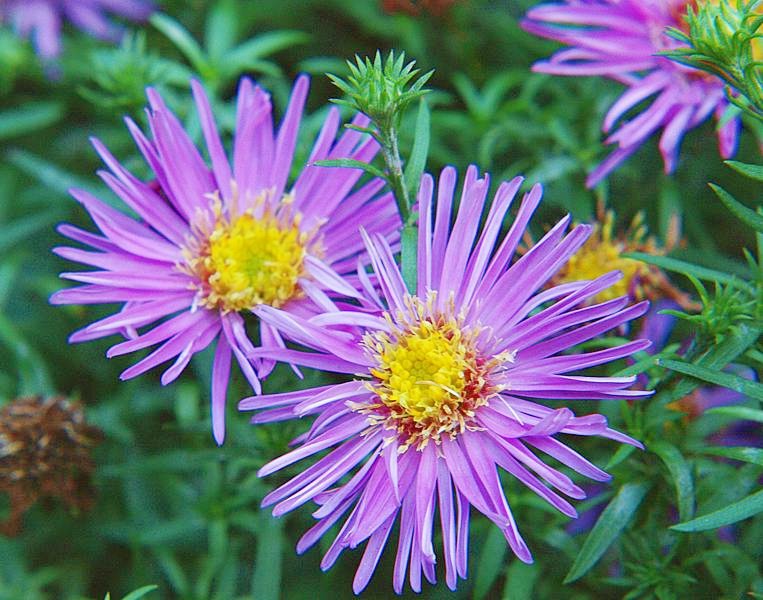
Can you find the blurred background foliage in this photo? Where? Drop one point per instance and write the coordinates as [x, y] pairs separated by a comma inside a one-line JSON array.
[[174, 511]]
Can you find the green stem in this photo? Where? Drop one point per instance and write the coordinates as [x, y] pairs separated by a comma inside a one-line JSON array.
[[409, 233], [391, 155]]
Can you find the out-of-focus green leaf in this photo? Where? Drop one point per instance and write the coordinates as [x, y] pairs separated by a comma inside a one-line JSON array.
[[20, 229], [266, 583], [727, 380], [620, 455], [49, 174], [491, 562], [221, 28], [681, 475], [743, 509], [520, 581], [745, 454], [29, 117], [607, 528], [252, 51], [183, 40], [738, 412], [141, 592], [32, 368]]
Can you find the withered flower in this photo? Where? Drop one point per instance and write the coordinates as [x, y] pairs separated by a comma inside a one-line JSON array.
[[604, 252], [45, 447]]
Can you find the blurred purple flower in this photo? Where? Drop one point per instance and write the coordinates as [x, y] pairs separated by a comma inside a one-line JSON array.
[[211, 244], [444, 386], [42, 19], [620, 39]]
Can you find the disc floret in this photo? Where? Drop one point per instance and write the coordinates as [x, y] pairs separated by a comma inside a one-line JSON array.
[[242, 260], [430, 374]]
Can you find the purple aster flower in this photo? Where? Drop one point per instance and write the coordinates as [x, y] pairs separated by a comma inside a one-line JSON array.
[[444, 387], [42, 19], [620, 39], [212, 243]]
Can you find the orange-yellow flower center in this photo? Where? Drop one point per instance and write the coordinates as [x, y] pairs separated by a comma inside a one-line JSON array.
[[598, 257], [429, 377], [602, 254], [247, 260]]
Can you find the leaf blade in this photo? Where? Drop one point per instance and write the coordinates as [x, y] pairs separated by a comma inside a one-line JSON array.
[[727, 380], [418, 159], [743, 509], [612, 521], [739, 210], [681, 474]]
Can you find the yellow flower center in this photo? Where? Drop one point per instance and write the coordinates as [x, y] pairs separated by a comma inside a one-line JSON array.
[[597, 258], [247, 260], [429, 376], [602, 254]]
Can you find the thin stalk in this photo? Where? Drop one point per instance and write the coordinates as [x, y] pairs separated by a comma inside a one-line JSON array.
[[408, 238]]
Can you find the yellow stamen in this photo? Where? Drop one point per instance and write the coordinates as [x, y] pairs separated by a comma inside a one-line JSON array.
[[602, 254], [243, 260], [429, 376]]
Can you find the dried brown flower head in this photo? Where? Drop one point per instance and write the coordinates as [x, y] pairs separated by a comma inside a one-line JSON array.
[[45, 447]]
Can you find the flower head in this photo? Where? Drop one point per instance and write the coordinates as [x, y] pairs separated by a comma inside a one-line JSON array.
[[605, 251], [621, 39], [45, 447], [444, 386], [43, 19], [214, 243]]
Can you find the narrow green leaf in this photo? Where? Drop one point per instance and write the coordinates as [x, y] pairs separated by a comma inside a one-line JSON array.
[[33, 376], [748, 170], [266, 582], [681, 475], [172, 571], [418, 159], [409, 242], [141, 592], [679, 266], [20, 230], [182, 39], [47, 173], [520, 581], [607, 528], [738, 412], [491, 563], [265, 44], [623, 452], [745, 454], [221, 28], [739, 210], [743, 509], [753, 389], [352, 164], [29, 117]]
